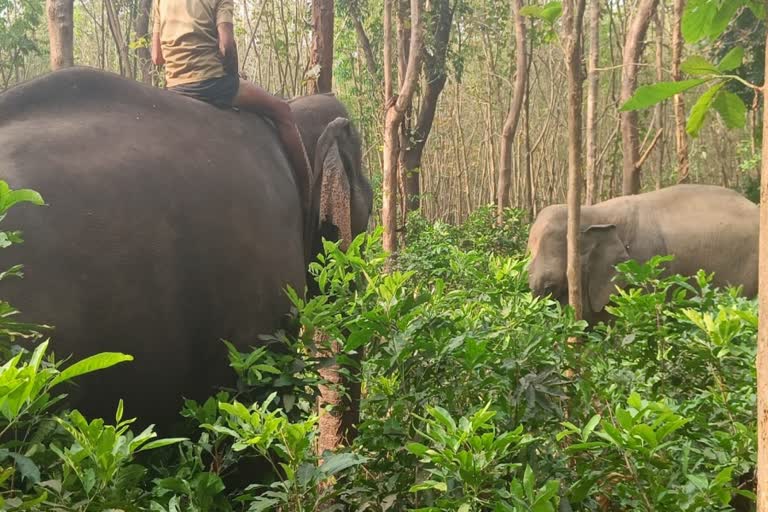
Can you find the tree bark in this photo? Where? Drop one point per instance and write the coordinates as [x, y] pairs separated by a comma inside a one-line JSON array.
[[322, 45], [633, 50], [593, 91], [436, 76], [681, 138], [573, 15], [395, 112], [762, 335], [61, 32], [141, 27], [513, 116]]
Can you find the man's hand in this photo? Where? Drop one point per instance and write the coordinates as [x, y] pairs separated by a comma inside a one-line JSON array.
[[157, 50], [228, 47]]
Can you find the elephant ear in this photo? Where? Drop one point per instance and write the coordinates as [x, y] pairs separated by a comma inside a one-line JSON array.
[[335, 198], [601, 251]]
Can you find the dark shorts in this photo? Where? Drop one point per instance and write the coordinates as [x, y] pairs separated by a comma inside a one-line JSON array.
[[217, 91]]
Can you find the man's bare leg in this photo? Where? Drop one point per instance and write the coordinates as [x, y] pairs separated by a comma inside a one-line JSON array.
[[252, 97]]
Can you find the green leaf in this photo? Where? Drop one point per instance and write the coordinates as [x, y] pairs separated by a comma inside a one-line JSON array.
[[549, 12], [11, 197], [699, 481], [339, 462], [697, 19], [91, 364], [429, 484], [590, 427], [700, 109], [649, 95], [417, 449], [159, 443], [731, 109], [696, 65], [723, 17], [732, 60]]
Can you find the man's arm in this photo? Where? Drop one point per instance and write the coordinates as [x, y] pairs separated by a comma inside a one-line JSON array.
[[157, 50], [228, 47]]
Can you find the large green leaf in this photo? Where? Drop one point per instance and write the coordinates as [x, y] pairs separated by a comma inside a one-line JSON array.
[[337, 462], [91, 364], [549, 12], [731, 109], [700, 110], [697, 19], [649, 95], [732, 59], [696, 65]]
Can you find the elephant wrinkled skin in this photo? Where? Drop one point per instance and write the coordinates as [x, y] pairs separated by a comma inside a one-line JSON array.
[[170, 225], [702, 226]]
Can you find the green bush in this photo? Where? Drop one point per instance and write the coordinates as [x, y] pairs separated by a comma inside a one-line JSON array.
[[473, 399]]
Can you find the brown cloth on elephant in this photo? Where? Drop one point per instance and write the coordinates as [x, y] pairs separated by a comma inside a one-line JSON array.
[[189, 38]]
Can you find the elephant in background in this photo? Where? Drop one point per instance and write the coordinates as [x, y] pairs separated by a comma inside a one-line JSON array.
[[703, 227], [171, 225]]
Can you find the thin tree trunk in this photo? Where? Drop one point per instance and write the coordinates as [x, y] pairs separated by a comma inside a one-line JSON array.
[[681, 138], [322, 45], [395, 112], [61, 32], [436, 77], [141, 28], [762, 335], [513, 116], [633, 50], [659, 109], [117, 35], [362, 39], [573, 14], [593, 91]]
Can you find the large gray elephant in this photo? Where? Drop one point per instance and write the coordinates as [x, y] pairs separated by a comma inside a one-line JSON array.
[[170, 225], [703, 227]]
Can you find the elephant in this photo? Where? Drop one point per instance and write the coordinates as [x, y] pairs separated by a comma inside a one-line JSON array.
[[169, 226], [702, 226]]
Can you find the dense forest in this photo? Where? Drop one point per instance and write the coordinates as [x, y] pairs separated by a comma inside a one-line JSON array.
[[550, 303]]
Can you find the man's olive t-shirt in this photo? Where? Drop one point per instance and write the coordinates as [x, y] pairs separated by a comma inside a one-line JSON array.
[[189, 38]]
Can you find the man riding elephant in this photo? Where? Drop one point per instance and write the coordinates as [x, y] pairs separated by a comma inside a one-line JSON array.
[[195, 41]]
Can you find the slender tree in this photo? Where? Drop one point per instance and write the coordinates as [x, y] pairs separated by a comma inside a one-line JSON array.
[[762, 335], [633, 51], [659, 109], [593, 90], [681, 138], [439, 20], [61, 32], [513, 116], [322, 45], [395, 112], [141, 27], [117, 35], [573, 17]]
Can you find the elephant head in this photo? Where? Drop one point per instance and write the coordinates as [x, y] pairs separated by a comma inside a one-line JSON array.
[[341, 198], [601, 250]]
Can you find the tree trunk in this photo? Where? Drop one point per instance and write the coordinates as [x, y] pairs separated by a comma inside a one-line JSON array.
[[762, 335], [513, 116], [573, 14], [633, 50], [395, 112], [681, 138], [363, 41], [322, 45], [436, 77], [143, 55], [117, 35], [593, 90], [61, 32], [659, 109]]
